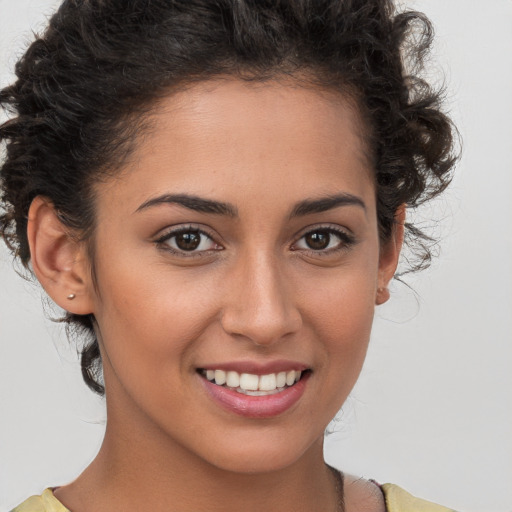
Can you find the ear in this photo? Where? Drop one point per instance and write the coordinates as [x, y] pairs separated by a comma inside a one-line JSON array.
[[58, 259], [389, 255]]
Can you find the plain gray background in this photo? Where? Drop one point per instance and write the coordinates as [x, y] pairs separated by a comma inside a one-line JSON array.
[[432, 411]]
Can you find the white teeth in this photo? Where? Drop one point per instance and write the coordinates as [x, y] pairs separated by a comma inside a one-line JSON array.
[[220, 377], [267, 382], [281, 380], [259, 393], [251, 384], [232, 379], [290, 378]]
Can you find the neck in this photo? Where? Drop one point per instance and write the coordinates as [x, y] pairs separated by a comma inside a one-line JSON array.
[[139, 467]]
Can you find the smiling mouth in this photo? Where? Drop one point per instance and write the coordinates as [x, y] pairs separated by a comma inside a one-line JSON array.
[[252, 384]]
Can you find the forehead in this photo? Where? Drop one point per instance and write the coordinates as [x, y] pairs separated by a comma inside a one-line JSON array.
[[253, 136], [288, 106]]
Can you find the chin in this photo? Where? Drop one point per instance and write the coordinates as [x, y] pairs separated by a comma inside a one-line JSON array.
[[256, 463], [270, 453]]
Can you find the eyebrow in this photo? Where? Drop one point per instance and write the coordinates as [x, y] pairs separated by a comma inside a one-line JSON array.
[[191, 202], [323, 204], [303, 208]]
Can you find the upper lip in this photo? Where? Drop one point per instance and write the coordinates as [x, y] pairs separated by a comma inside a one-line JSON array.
[[257, 367]]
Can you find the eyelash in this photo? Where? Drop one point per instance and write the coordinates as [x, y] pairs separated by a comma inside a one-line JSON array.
[[345, 241], [163, 242]]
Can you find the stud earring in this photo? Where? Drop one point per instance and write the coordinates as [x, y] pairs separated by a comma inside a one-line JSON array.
[[71, 296]]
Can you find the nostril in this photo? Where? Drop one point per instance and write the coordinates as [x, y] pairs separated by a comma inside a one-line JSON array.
[[261, 327]]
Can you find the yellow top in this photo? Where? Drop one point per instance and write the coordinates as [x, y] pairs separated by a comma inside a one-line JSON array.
[[397, 500], [47, 502]]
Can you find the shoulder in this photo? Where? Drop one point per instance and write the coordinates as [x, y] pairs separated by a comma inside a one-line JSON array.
[[398, 500], [367, 496], [362, 495], [47, 502]]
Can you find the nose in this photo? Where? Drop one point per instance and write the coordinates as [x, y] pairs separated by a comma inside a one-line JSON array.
[[259, 302]]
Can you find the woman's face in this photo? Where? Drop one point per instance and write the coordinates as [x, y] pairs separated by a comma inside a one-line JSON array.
[[241, 243]]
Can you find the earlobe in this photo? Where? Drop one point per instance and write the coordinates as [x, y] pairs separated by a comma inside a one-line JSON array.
[[389, 256], [58, 259]]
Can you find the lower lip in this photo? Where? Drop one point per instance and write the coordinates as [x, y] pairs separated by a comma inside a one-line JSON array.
[[256, 406]]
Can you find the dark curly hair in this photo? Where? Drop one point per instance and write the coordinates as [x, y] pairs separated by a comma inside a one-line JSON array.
[[85, 87]]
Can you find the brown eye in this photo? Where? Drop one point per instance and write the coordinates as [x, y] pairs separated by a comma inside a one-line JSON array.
[[188, 241], [318, 240], [324, 241]]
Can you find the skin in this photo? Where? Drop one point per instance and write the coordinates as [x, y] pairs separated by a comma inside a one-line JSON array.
[[254, 291]]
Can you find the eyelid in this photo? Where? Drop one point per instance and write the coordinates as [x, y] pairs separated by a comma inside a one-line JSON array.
[[172, 231], [347, 238]]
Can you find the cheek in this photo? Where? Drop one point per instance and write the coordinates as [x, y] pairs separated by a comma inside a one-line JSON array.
[[151, 315], [344, 323], [343, 296], [340, 307]]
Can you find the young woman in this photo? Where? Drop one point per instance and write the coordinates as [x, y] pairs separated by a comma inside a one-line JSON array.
[[216, 194]]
